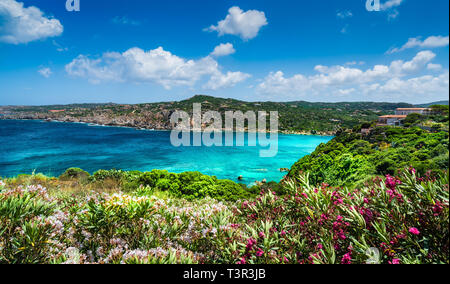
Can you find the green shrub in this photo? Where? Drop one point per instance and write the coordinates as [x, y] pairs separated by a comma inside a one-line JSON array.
[[74, 173], [386, 167], [102, 175]]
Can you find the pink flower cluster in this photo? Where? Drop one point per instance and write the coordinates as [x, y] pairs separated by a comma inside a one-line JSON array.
[[395, 261], [347, 259], [438, 209], [339, 228], [259, 252], [414, 231], [391, 184], [251, 242]]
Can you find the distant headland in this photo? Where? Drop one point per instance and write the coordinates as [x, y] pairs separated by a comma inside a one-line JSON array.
[[298, 117]]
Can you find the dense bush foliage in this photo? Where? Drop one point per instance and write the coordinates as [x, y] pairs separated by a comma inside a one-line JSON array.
[[74, 173], [189, 185], [353, 157], [401, 219]]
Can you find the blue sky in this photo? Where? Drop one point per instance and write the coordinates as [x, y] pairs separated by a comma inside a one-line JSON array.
[[139, 51]]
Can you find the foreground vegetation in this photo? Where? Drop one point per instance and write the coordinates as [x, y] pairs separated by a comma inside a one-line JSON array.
[[371, 195], [406, 218]]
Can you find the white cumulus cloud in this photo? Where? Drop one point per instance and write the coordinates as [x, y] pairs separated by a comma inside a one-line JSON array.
[[45, 72], [223, 49], [434, 67], [21, 24], [344, 14], [399, 67], [400, 80], [391, 4], [155, 66], [230, 79], [390, 7], [244, 24], [430, 42]]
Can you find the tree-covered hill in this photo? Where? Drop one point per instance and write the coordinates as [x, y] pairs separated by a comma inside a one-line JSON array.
[[298, 117], [434, 103]]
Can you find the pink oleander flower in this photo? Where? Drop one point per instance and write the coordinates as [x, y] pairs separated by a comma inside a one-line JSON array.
[[437, 209], [262, 235], [395, 261], [342, 236], [242, 261], [259, 253], [414, 231], [251, 243], [347, 259], [392, 182]]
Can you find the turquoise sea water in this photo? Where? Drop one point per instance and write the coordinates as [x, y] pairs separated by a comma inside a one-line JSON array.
[[51, 148]]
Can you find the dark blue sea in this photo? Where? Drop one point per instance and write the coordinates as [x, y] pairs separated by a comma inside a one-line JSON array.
[[52, 147]]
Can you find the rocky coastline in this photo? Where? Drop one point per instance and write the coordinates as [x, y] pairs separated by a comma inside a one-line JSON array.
[[159, 121], [130, 124]]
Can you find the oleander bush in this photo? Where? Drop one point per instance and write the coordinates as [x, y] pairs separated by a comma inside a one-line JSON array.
[[25, 225], [393, 220], [404, 218]]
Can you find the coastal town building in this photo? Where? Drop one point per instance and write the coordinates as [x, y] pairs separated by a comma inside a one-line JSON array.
[[366, 131], [391, 120], [408, 111], [400, 115]]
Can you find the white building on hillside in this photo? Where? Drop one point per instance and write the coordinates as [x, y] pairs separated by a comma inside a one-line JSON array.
[[392, 120], [408, 111]]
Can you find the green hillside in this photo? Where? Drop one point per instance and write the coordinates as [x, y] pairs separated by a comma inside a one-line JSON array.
[[300, 117]]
